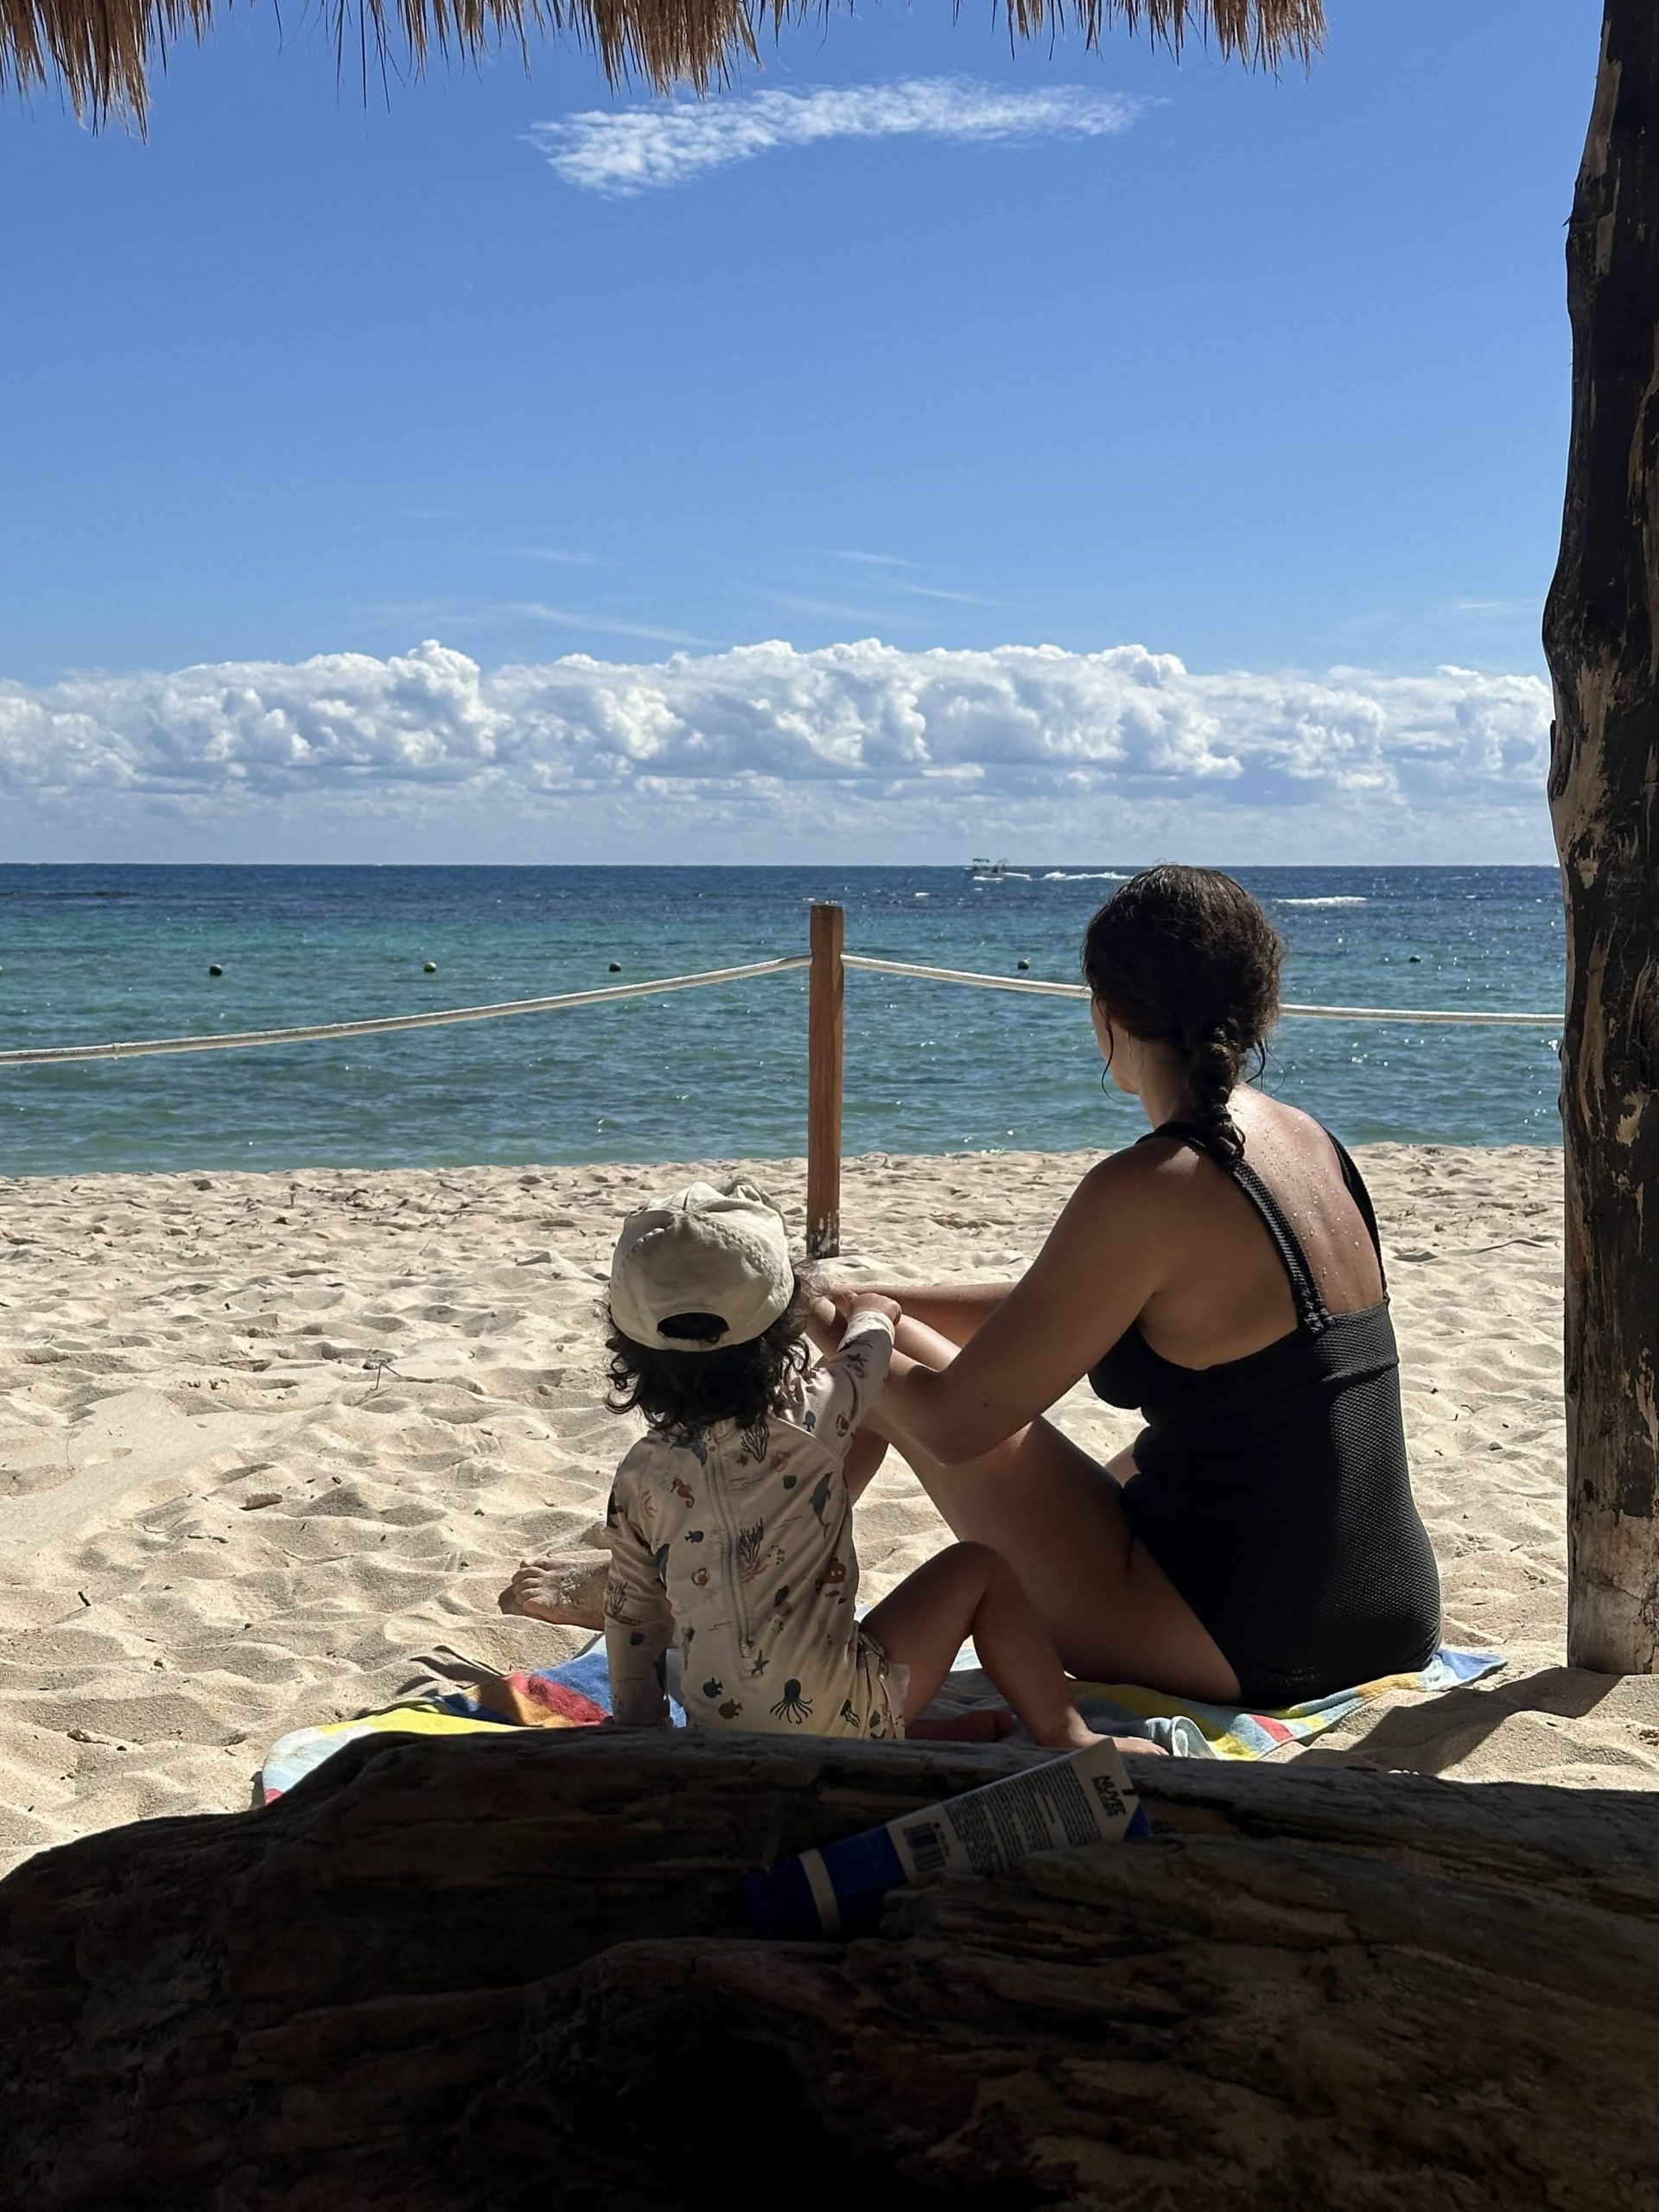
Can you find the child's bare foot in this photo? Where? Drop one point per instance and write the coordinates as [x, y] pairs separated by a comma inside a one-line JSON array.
[[987, 1725], [569, 1592]]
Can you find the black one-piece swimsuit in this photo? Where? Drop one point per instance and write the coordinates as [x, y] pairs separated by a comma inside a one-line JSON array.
[[1274, 1490]]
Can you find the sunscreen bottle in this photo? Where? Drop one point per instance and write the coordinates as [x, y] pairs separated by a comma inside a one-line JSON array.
[[1085, 1798]]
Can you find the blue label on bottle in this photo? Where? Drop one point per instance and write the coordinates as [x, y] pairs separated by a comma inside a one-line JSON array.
[[834, 1891]]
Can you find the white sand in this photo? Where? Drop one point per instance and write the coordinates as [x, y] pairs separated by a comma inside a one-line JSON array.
[[266, 1440]]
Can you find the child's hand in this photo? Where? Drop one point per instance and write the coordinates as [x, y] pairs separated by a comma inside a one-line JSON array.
[[872, 1301]]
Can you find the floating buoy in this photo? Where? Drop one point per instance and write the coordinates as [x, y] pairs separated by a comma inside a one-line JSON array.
[[616, 967], [429, 967], [1415, 958], [1022, 964], [214, 968]]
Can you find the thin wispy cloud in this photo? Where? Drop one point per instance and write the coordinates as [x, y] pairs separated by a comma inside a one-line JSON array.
[[607, 626], [954, 598], [874, 560], [463, 616], [620, 153], [550, 553], [1504, 609], [835, 610], [1439, 614]]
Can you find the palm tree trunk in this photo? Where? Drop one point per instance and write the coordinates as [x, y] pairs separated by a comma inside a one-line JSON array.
[[1601, 632]]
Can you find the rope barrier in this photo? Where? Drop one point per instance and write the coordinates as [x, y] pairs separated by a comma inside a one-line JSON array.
[[236, 1040], [388, 1025], [1409, 1015]]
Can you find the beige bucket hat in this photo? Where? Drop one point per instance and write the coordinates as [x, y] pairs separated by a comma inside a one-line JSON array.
[[702, 1251]]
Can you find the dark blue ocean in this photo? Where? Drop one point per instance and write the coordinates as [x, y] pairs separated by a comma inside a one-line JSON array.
[[104, 953]]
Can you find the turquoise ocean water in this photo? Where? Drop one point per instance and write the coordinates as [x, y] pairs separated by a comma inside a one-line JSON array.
[[106, 952]]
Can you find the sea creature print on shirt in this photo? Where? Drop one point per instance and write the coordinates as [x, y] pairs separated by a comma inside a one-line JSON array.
[[793, 1706], [820, 1499], [681, 1489], [749, 1559]]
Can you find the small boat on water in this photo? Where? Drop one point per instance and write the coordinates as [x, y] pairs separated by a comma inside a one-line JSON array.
[[997, 872]]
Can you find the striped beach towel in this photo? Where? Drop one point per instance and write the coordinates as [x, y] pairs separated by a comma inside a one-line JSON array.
[[577, 1695], [1122, 1708]]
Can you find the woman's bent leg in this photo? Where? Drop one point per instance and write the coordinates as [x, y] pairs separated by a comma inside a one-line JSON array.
[[1059, 1520]]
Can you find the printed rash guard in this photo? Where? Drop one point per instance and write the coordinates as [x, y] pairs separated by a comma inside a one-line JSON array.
[[738, 1543]]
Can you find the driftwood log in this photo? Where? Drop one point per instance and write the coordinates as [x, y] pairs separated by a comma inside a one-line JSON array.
[[512, 1973], [1601, 632]]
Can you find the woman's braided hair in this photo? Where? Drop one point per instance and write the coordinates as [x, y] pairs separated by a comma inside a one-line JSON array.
[[1184, 956]]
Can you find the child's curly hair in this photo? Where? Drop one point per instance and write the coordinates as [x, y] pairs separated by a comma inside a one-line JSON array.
[[681, 1392]]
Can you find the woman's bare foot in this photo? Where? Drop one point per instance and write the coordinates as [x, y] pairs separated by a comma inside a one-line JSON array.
[[1076, 1735], [1073, 1733], [569, 1591]]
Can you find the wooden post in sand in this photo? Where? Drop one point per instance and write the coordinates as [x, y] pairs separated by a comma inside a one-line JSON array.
[[1601, 632], [823, 1058]]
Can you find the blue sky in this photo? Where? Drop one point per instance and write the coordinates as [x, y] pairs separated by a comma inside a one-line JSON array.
[[969, 352]]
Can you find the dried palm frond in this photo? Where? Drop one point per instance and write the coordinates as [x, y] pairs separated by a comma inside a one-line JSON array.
[[100, 50]]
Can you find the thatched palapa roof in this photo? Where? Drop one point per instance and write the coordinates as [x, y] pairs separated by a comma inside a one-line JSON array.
[[100, 51]]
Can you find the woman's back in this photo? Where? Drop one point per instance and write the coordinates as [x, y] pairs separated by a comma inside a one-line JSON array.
[[1271, 1480], [1226, 1293]]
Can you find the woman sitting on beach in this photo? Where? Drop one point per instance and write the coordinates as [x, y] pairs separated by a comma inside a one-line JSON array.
[[1258, 1544]]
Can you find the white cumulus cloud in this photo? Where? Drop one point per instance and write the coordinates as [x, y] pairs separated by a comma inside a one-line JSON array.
[[857, 746], [625, 151]]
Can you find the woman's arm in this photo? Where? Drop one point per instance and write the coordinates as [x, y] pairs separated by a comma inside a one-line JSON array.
[[955, 1311], [1103, 1258]]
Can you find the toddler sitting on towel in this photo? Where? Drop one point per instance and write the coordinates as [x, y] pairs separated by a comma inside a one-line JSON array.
[[731, 1521]]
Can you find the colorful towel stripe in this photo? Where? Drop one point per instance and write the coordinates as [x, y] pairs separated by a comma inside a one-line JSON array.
[[578, 1695], [1115, 1708]]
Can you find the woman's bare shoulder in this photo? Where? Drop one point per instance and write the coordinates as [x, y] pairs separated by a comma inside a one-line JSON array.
[[1272, 1126], [1142, 1174]]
